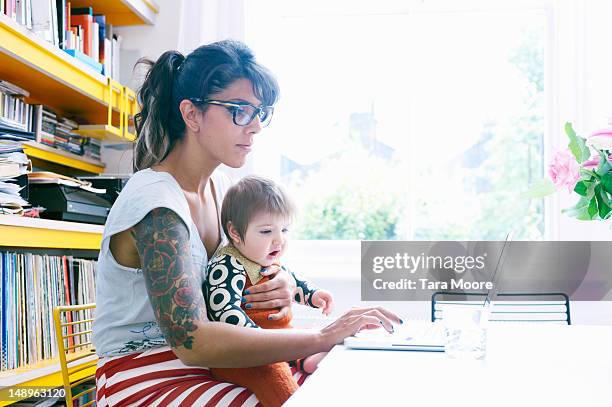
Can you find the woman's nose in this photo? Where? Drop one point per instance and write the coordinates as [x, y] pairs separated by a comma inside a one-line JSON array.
[[255, 126]]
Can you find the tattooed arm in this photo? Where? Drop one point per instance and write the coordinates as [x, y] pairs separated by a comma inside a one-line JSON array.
[[162, 242]]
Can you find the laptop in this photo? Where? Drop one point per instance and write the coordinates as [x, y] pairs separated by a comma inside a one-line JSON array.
[[422, 336]]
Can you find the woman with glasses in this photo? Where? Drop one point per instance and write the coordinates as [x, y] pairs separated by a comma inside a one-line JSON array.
[[151, 330]]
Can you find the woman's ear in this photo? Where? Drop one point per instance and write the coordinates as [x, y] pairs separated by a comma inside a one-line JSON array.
[[233, 233], [190, 114]]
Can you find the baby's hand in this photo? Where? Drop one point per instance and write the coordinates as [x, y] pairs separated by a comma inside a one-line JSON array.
[[324, 300]]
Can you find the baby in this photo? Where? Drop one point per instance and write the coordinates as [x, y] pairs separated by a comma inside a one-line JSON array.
[[255, 216]]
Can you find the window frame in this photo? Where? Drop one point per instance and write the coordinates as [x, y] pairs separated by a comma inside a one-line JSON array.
[[564, 41]]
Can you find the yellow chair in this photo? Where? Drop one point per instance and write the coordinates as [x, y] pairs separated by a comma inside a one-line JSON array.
[[76, 353]]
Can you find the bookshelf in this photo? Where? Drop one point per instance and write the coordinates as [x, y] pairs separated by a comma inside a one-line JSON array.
[[19, 232], [123, 12], [38, 151], [44, 374], [44, 233], [62, 82], [71, 88]]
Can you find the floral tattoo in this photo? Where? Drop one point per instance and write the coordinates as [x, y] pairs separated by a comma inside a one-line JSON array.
[[162, 240]]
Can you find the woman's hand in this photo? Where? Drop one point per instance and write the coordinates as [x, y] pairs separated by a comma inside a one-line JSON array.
[[357, 319], [276, 293]]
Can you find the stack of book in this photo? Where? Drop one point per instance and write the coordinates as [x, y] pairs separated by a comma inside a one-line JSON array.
[[13, 178], [57, 132], [92, 148], [81, 33], [15, 113], [32, 285]]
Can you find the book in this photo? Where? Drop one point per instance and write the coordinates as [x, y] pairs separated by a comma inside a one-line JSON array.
[[60, 9], [85, 21], [31, 286], [96, 66], [10, 9], [54, 22], [9, 170], [95, 40], [108, 57], [116, 46], [82, 11], [28, 11], [3, 312], [42, 19], [20, 11]]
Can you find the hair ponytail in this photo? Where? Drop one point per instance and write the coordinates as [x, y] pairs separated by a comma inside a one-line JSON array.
[[155, 137], [174, 77]]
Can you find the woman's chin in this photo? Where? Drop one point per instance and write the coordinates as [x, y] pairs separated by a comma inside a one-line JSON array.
[[237, 163]]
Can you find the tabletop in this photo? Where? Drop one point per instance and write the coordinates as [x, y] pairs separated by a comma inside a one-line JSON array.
[[525, 365]]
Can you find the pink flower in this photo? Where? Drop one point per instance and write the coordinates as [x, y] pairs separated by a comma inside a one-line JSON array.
[[563, 170], [593, 162]]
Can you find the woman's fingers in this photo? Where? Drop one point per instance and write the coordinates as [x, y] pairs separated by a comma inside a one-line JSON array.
[[373, 317], [370, 321], [270, 299], [262, 288], [270, 270], [357, 319], [270, 290], [388, 314]]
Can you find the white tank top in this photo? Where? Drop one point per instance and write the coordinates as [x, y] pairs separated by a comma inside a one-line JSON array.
[[124, 320]]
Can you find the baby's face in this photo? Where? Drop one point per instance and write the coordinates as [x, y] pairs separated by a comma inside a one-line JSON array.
[[266, 239]]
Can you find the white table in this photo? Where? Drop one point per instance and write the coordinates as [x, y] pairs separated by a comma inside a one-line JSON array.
[[526, 365]]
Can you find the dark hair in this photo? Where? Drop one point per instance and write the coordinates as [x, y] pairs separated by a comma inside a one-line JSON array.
[[251, 196], [173, 77]]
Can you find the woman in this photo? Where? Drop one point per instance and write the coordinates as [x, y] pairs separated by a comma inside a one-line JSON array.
[[150, 329]]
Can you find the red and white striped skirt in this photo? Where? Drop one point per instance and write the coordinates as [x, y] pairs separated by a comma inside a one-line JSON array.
[[158, 378]]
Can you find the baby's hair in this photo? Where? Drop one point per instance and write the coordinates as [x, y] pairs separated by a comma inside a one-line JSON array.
[[249, 197]]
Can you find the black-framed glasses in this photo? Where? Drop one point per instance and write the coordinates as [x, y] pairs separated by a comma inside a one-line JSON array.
[[243, 113]]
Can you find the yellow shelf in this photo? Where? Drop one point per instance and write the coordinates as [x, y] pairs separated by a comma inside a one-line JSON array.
[[42, 152], [16, 231], [44, 374], [103, 132], [53, 77], [122, 12]]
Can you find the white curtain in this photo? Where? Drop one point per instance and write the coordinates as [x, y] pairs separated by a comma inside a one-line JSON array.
[[206, 21]]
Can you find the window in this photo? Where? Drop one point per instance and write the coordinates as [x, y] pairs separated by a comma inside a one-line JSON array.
[[406, 123]]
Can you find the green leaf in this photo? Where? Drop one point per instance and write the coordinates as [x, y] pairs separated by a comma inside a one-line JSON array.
[[577, 144], [602, 202], [592, 209], [539, 189], [603, 168], [580, 210], [582, 188], [606, 182]]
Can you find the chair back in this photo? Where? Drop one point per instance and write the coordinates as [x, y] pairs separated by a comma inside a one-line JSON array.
[[73, 327], [551, 308]]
